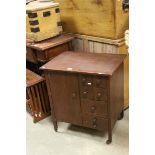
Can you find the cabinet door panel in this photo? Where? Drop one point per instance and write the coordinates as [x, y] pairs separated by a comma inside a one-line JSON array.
[[65, 96]]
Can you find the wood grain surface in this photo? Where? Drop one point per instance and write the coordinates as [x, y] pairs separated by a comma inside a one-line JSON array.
[[92, 63]]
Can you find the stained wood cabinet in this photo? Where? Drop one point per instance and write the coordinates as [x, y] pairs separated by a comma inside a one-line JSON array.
[[86, 89]]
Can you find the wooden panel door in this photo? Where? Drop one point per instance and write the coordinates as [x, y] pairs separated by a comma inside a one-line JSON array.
[[65, 96]]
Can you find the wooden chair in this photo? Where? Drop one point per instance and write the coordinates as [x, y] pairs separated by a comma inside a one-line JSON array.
[[37, 101]]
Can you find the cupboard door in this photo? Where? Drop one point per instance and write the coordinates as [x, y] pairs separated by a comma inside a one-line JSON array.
[[65, 96]]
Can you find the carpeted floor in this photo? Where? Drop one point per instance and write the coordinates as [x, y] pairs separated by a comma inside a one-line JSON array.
[[74, 140]]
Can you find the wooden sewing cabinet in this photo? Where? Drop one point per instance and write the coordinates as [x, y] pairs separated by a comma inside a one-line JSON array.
[[86, 89]]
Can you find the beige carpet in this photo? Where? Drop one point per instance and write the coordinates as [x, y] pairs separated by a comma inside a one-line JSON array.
[[74, 140]]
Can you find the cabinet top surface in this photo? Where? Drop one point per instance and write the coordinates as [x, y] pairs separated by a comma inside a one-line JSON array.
[[80, 62], [49, 43], [32, 78]]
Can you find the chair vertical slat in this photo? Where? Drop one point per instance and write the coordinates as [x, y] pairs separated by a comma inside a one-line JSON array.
[[42, 98], [31, 101], [38, 99], [46, 97], [34, 101]]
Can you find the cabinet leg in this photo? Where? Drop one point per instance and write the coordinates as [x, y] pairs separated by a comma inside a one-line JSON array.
[[55, 126], [109, 140], [121, 115]]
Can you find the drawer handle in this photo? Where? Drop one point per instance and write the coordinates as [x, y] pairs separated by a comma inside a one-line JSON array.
[[99, 94], [85, 94], [94, 120], [73, 95], [89, 83], [94, 126], [83, 80], [93, 108]]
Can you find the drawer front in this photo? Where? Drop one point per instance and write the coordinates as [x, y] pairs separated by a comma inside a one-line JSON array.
[[87, 93], [95, 122], [55, 51], [94, 107], [100, 94], [100, 82], [47, 55]]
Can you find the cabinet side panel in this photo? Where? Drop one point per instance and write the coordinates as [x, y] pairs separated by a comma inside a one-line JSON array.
[[116, 94]]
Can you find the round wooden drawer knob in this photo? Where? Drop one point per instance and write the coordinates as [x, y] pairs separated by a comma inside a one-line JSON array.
[[85, 94], [93, 108], [83, 80], [94, 126], [73, 95], [98, 94], [94, 120]]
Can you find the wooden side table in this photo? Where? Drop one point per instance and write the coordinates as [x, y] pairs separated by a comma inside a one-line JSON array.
[[41, 52], [44, 51]]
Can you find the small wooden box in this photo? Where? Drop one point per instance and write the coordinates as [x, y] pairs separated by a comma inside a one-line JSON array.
[[42, 20], [37, 101]]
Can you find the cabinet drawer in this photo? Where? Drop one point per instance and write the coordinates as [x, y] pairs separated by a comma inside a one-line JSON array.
[[100, 82], [100, 94], [94, 107], [46, 55], [87, 93], [95, 122]]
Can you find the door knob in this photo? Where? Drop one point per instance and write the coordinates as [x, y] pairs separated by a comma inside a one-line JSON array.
[[94, 126], [94, 120], [93, 109], [73, 95], [99, 94], [85, 94]]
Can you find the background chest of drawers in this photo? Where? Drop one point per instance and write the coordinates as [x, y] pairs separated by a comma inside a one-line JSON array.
[[39, 53], [86, 89]]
